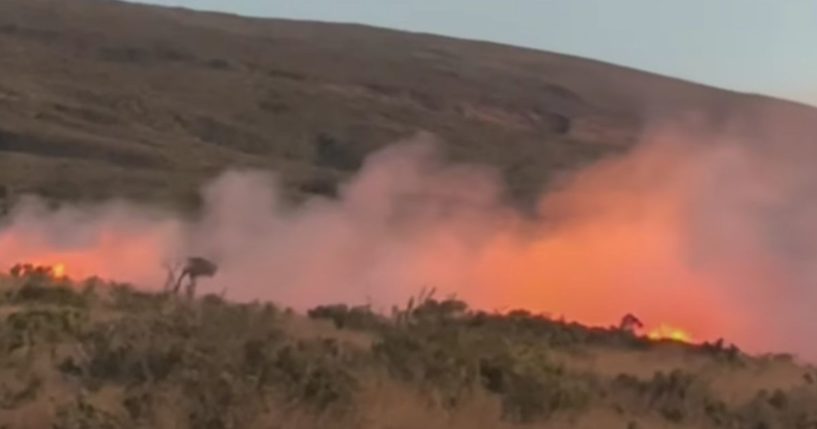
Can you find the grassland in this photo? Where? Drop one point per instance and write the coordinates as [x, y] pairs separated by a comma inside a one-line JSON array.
[[100, 98], [101, 355]]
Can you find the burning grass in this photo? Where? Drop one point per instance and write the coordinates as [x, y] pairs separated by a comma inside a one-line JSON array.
[[99, 355], [666, 332], [55, 272]]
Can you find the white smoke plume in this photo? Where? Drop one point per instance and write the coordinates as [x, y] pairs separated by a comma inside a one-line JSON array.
[[712, 232]]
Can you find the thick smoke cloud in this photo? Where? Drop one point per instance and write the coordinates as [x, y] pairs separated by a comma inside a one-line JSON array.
[[711, 232]]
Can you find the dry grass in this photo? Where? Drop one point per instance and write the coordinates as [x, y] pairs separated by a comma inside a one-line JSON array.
[[153, 361], [302, 327], [149, 114]]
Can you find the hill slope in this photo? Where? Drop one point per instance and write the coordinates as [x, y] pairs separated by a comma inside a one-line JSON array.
[[102, 98]]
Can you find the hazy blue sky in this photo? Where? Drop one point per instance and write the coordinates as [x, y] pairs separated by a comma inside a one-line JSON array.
[[764, 46]]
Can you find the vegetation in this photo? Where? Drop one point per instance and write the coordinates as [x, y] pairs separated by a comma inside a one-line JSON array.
[[169, 98], [150, 115], [103, 355]]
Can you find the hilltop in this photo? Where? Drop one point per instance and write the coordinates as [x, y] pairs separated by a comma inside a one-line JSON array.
[[102, 98]]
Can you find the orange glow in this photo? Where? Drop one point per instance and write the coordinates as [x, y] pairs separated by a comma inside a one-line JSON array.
[[58, 270], [113, 254], [608, 247], [653, 234], [666, 332]]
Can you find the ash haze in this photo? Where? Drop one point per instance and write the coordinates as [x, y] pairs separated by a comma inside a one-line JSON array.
[[710, 230], [756, 46]]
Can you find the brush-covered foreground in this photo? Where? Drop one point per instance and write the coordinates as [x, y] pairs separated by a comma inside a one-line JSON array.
[[102, 355]]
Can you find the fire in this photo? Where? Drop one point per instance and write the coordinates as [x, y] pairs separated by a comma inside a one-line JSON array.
[[56, 271], [610, 239], [666, 332]]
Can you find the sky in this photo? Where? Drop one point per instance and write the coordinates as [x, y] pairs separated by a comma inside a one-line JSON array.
[[761, 46]]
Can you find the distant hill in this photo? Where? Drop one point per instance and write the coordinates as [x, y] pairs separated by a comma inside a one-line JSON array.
[[102, 98]]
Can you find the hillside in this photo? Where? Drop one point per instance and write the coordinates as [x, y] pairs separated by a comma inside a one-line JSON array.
[[101, 98], [98, 355]]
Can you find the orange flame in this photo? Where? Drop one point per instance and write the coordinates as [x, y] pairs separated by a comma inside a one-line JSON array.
[[667, 332], [56, 271]]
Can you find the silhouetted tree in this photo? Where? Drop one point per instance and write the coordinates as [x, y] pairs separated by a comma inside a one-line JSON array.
[[630, 323], [196, 267]]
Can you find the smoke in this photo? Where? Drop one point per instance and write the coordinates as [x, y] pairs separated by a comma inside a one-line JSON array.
[[713, 232]]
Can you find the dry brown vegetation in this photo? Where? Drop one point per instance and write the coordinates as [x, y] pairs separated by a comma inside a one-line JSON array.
[[100, 98], [102, 355]]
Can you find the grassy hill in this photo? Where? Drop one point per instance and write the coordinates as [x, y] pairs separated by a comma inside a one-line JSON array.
[[101, 98], [97, 355]]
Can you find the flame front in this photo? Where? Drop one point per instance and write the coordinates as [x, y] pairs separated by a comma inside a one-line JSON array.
[[55, 271], [58, 270], [666, 332]]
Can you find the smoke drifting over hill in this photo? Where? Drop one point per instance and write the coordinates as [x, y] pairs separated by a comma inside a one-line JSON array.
[[711, 232]]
